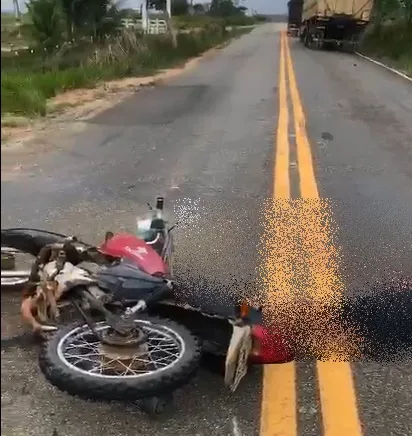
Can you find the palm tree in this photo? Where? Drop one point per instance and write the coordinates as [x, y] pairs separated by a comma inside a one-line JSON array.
[[46, 20]]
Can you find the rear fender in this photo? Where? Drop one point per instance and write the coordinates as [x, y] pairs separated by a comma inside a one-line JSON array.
[[29, 241]]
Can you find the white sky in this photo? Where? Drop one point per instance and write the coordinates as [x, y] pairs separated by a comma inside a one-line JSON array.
[[263, 6]]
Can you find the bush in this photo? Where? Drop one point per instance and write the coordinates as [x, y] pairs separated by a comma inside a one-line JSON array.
[[392, 41], [24, 60], [240, 20], [19, 95], [196, 21]]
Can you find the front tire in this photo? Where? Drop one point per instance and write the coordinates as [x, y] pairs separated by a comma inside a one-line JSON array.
[[60, 355]]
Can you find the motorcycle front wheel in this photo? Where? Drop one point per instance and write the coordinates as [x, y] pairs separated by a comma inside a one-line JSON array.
[[75, 361]]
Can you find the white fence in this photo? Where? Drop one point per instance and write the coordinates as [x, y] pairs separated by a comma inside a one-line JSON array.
[[155, 26]]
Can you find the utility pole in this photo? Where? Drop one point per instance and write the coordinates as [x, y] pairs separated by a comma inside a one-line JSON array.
[[191, 9], [169, 21], [145, 21], [17, 14]]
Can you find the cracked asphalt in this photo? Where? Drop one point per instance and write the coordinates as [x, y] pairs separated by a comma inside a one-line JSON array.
[[206, 140]]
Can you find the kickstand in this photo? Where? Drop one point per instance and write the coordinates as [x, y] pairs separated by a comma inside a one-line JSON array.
[[157, 405]]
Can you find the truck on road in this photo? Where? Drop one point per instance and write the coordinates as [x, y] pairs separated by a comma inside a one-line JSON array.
[[338, 23], [294, 16]]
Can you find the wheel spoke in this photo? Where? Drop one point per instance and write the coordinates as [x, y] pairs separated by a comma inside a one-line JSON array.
[[84, 355], [127, 367], [81, 345], [83, 359], [103, 365], [82, 352], [162, 350]]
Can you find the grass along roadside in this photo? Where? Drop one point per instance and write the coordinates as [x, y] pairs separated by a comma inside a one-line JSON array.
[[67, 113], [25, 92], [184, 22], [390, 44]]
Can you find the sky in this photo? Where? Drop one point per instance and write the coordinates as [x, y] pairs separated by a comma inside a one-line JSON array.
[[262, 6]]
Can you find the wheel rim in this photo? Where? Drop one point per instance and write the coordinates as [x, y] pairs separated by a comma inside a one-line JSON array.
[[79, 350]]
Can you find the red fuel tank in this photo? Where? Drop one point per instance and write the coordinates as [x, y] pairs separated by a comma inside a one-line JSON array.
[[131, 247]]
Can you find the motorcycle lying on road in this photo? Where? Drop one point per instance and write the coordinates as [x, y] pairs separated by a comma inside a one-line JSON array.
[[137, 337]]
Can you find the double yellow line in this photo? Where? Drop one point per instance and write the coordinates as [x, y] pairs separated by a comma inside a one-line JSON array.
[[301, 264], [308, 186]]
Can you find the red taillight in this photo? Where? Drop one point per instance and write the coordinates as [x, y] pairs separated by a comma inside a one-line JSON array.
[[269, 346]]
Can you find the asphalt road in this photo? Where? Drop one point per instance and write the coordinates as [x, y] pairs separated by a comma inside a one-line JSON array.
[[211, 141]]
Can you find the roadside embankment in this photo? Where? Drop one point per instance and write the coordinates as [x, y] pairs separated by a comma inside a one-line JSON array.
[[390, 44]]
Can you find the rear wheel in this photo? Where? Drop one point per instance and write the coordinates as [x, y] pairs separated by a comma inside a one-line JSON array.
[[75, 361], [307, 39]]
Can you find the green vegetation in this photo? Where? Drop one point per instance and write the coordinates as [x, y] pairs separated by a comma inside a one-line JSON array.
[[186, 22], [221, 12], [390, 35], [78, 43], [25, 92]]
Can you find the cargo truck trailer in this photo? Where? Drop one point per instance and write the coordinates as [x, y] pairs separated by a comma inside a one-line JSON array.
[[294, 16], [338, 23]]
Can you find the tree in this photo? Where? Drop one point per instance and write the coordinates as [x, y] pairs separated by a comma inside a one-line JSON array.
[[180, 7], [103, 17], [199, 8], [225, 8], [384, 10], [407, 9], [47, 23], [94, 18]]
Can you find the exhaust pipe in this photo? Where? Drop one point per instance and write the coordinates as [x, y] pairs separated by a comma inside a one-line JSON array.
[[8, 250], [17, 274], [14, 278], [10, 276]]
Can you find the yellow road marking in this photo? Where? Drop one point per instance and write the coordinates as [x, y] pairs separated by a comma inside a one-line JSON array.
[[300, 256], [281, 187], [278, 415], [308, 186], [338, 402], [337, 392]]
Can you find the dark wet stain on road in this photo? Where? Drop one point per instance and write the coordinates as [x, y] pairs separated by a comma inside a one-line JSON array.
[[383, 318], [326, 136]]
